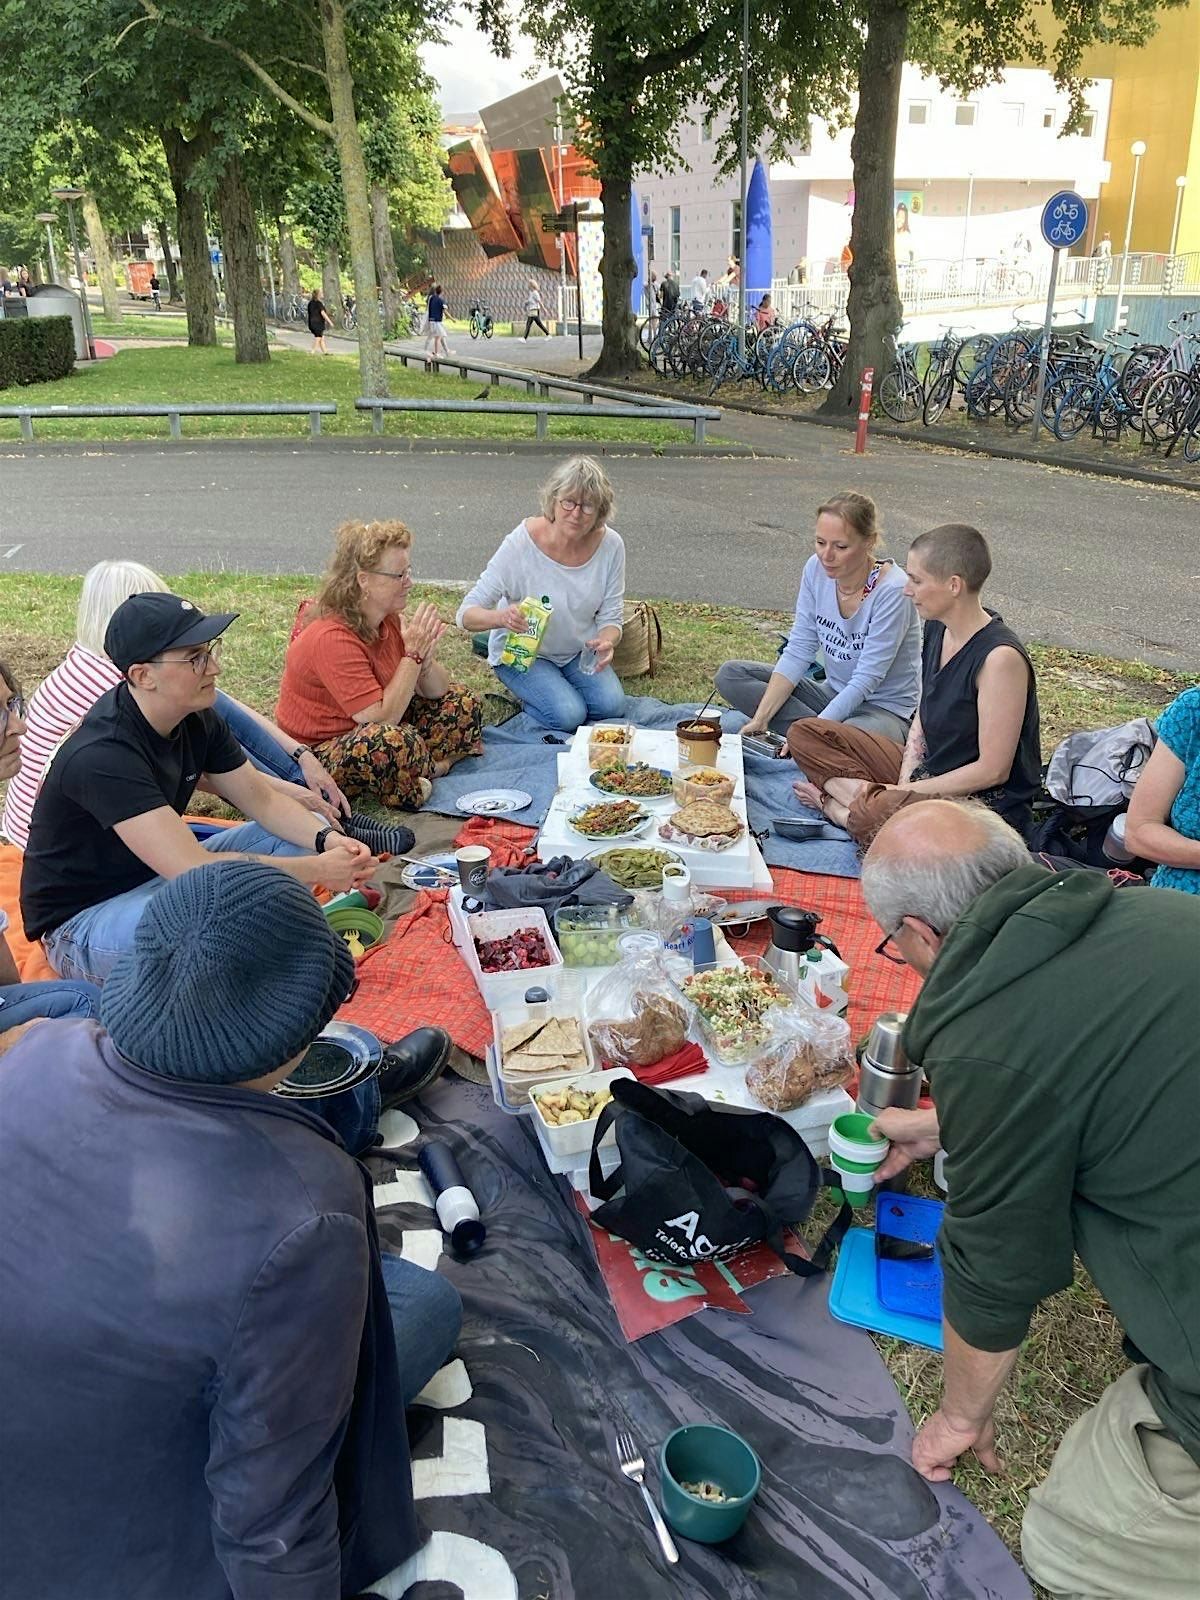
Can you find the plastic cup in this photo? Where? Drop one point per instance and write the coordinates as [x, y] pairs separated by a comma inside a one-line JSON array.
[[855, 1155], [589, 661], [472, 861], [702, 1453]]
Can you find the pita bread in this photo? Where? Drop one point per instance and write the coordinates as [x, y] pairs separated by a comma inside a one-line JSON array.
[[511, 1039], [560, 1036], [704, 819]]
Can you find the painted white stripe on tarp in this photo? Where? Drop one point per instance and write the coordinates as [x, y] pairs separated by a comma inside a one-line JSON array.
[[462, 1467], [449, 1387], [11, 552], [422, 1247], [404, 1187], [476, 1570]]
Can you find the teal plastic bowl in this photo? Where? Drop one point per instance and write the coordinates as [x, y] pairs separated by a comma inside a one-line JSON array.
[[702, 1453]]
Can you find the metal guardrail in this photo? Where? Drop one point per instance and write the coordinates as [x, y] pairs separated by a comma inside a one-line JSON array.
[[535, 382], [542, 411], [314, 410]]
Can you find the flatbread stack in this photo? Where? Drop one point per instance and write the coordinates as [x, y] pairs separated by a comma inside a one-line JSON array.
[[532, 1051], [704, 824]]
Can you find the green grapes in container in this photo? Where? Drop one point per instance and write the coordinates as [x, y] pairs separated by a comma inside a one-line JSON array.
[[520, 649]]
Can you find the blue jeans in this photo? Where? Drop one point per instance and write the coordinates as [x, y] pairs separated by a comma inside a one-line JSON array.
[[353, 1114], [89, 944], [564, 698], [426, 1320], [260, 748], [21, 1002]]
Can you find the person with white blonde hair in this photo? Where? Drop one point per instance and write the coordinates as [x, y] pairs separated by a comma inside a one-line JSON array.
[[86, 673], [1056, 1026], [570, 556]]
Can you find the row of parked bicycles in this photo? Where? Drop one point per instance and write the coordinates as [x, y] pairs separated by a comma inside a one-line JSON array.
[[1109, 387], [1114, 386]]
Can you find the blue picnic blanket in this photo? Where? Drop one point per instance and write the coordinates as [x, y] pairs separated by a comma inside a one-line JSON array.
[[518, 756]]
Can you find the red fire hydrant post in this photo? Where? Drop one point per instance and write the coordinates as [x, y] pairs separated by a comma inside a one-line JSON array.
[[864, 410]]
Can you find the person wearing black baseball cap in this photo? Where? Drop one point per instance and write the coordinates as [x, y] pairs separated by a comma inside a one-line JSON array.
[[107, 828]]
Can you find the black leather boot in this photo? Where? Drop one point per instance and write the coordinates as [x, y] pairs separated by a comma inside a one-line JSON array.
[[412, 1064]]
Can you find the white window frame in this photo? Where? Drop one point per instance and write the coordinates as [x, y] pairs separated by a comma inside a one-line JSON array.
[[1087, 127], [966, 105], [706, 128], [674, 237], [1014, 112], [925, 107], [1050, 118]]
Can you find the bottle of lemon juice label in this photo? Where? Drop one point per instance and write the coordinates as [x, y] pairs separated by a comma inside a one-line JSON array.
[[520, 648]]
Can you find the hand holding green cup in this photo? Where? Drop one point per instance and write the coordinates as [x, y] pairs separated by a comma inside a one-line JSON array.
[[855, 1155]]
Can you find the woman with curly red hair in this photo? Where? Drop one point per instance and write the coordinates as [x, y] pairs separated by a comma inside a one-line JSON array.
[[362, 684]]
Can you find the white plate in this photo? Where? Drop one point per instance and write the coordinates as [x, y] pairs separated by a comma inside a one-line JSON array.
[[422, 874], [656, 800], [611, 838], [493, 802]]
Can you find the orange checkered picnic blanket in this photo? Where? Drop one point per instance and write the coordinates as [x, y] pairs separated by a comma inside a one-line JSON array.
[[416, 977]]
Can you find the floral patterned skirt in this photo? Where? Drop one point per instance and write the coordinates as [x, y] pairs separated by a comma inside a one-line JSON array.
[[388, 760]]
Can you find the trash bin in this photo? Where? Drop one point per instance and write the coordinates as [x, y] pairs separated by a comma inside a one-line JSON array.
[[52, 300]]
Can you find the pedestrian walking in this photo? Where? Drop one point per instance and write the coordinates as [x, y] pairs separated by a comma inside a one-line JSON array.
[[652, 297], [700, 290], [533, 311], [318, 320], [435, 331], [668, 294]]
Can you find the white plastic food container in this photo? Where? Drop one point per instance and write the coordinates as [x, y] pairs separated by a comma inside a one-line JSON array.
[[563, 1147], [498, 988], [512, 1093]]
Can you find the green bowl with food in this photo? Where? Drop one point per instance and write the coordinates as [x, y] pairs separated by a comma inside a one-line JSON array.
[[634, 866]]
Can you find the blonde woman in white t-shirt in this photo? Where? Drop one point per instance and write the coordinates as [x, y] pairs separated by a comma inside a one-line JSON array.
[[570, 554]]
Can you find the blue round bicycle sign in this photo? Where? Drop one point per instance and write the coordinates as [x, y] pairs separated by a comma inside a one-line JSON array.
[[1064, 219]]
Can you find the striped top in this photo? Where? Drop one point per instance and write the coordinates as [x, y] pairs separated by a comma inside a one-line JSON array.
[[68, 694]]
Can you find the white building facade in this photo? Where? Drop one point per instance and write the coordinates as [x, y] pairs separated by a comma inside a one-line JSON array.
[[972, 176]]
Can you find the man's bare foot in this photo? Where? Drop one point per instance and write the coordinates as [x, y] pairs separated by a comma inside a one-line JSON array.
[[807, 793]]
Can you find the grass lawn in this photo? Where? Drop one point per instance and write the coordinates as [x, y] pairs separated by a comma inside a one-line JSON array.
[[1073, 1348], [204, 374], [150, 325]]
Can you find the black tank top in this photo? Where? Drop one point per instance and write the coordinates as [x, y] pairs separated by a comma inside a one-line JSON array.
[[950, 718]]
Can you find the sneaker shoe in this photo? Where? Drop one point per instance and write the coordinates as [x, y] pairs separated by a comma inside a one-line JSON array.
[[380, 838]]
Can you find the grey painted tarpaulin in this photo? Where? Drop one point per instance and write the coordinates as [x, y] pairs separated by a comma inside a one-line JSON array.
[[517, 1479]]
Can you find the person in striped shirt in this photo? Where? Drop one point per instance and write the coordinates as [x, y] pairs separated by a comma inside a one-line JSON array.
[[86, 673]]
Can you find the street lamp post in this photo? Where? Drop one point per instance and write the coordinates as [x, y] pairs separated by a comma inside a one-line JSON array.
[[962, 261], [1137, 150], [49, 218], [70, 196], [1180, 186], [741, 335]]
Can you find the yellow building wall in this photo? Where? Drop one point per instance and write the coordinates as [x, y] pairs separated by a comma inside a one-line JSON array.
[[1155, 98]]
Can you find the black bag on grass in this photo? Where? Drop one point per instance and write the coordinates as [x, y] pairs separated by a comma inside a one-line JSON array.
[[680, 1158]]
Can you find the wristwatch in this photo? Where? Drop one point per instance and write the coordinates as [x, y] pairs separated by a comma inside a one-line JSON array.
[[319, 841], [300, 750]]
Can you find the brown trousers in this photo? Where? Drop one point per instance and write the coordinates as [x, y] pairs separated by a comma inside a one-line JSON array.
[[824, 750]]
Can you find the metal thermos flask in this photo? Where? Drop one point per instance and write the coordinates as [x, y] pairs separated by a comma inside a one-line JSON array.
[[886, 1076]]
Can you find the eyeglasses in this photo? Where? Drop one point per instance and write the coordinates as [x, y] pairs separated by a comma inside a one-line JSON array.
[[881, 949], [199, 663], [14, 706], [586, 506], [382, 572]]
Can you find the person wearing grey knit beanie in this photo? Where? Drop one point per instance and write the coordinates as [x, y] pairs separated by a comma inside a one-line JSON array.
[[203, 1348]]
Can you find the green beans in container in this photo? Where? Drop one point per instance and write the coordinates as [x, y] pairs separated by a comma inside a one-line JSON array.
[[588, 935], [634, 866]]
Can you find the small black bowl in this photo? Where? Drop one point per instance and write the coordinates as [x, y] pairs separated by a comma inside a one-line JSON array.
[[797, 828]]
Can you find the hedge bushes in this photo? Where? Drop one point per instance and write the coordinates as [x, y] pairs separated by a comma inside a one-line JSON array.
[[35, 349]]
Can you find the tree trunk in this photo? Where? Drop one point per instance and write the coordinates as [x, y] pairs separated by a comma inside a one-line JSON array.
[[618, 351], [288, 270], [243, 286], [200, 295], [372, 363], [331, 284], [164, 236], [874, 307], [385, 257], [98, 241]]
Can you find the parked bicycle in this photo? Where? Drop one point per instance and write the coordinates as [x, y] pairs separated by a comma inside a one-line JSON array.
[[481, 321]]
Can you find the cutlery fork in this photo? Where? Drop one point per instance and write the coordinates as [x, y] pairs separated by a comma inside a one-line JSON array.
[[632, 1465]]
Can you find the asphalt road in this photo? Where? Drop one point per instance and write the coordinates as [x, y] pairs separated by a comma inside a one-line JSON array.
[[1081, 561]]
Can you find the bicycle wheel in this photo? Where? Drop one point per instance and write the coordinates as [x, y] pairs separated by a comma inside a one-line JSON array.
[[489, 327], [1164, 403], [474, 327], [811, 369], [971, 356], [1075, 410], [1191, 443], [938, 399], [900, 395]]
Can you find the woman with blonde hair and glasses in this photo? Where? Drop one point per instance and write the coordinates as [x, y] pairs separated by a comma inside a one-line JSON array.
[[362, 683], [86, 673], [570, 555]]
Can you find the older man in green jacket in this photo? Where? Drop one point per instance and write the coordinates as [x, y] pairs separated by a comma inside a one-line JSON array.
[[1058, 1029]]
